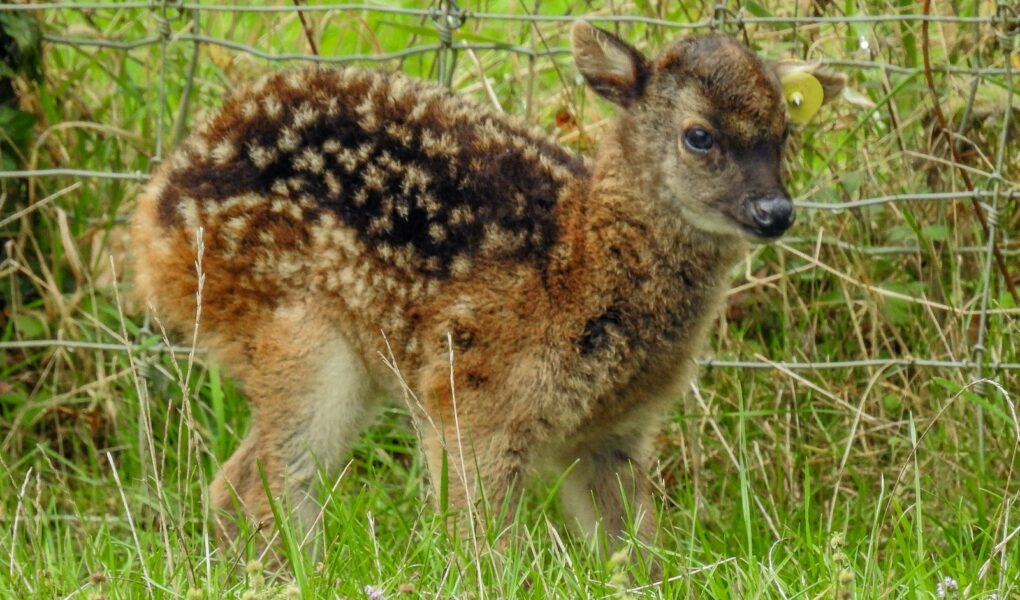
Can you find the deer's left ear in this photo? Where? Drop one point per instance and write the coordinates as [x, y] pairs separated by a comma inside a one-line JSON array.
[[612, 67], [807, 87], [832, 82]]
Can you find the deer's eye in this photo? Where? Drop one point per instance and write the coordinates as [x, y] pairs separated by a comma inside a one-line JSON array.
[[698, 140]]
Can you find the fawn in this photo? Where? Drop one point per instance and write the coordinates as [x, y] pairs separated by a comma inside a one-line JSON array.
[[366, 234]]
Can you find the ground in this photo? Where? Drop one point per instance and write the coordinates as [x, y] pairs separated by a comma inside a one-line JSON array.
[[881, 478]]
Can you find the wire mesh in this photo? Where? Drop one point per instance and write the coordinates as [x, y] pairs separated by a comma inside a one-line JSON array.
[[178, 23]]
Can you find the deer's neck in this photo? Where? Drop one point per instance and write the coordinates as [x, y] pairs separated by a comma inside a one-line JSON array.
[[628, 238]]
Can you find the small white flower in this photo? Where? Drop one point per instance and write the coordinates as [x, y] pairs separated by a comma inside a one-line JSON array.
[[946, 588], [863, 41], [374, 593]]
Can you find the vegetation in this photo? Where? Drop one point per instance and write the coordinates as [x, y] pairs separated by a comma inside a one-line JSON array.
[[886, 480]]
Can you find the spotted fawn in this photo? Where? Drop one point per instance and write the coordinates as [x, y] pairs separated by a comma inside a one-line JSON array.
[[367, 235]]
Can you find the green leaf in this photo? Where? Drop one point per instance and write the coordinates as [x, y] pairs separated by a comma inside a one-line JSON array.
[[756, 9], [939, 233], [21, 44], [993, 409], [16, 126], [29, 326], [852, 182], [1006, 300]]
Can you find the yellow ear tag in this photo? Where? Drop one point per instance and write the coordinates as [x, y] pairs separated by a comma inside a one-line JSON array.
[[804, 96]]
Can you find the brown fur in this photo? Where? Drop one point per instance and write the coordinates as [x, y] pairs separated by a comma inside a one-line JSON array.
[[348, 215]]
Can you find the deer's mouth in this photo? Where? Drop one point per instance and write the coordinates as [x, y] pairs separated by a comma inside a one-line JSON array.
[[767, 216]]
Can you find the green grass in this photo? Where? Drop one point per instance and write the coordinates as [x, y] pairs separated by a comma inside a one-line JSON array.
[[834, 483]]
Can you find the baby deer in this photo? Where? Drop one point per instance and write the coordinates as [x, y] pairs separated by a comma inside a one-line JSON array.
[[366, 234]]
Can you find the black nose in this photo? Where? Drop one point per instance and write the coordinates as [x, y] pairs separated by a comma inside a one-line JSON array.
[[772, 215]]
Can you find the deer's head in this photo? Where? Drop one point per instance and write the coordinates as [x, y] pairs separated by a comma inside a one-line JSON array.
[[706, 121]]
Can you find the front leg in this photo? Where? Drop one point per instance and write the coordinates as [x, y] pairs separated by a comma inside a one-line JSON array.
[[479, 471], [607, 487], [478, 434]]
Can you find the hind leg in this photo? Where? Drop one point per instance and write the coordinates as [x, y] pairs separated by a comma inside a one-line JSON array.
[[311, 396]]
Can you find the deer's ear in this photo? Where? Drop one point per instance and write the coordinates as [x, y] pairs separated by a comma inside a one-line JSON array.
[[832, 82], [612, 67]]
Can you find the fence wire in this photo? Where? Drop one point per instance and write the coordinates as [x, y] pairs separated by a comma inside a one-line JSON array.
[[446, 17]]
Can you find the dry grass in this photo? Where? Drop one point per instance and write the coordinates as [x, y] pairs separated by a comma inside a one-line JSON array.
[[873, 481]]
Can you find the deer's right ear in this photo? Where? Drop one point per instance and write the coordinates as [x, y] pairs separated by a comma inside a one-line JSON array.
[[611, 66]]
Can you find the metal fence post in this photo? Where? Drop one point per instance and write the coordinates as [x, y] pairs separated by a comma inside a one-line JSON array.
[[1006, 24], [447, 20]]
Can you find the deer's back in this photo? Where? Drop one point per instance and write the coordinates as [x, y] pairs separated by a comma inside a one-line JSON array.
[[345, 180]]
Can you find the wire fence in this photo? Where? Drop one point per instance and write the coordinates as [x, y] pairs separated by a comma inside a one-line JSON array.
[[177, 23]]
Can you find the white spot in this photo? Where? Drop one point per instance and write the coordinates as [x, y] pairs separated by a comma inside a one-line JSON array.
[[296, 80], [347, 159], [490, 134], [280, 187], [415, 178], [400, 133], [374, 178], [429, 202], [437, 232], [309, 160], [419, 111], [438, 146], [261, 157], [369, 120], [236, 226], [496, 239], [305, 115], [288, 140], [332, 107], [187, 208], [520, 204], [223, 152], [403, 208], [365, 151], [399, 90], [260, 85], [333, 184], [462, 215], [331, 146], [249, 109], [179, 160], [385, 159], [460, 266], [199, 147], [273, 106]]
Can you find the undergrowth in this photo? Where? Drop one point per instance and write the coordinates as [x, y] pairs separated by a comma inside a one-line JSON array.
[[869, 480]]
